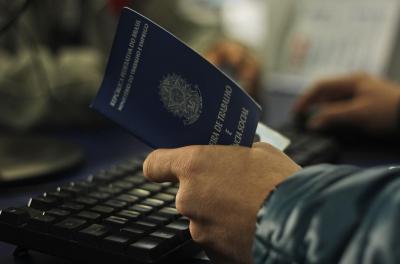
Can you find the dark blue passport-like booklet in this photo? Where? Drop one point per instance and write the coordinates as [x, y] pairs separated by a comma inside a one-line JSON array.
[[167, 95]]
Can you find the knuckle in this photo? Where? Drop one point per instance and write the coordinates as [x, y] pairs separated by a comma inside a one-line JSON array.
[[196, 233], [190, 162], [264, 149], [181, 202], [263, 145]]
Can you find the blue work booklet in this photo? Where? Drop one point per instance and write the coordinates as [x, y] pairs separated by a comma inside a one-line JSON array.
[[167, 95]]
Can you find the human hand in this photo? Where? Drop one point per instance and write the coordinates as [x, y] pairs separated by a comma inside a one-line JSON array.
[[358, 100], [238, 61], [221, 191]]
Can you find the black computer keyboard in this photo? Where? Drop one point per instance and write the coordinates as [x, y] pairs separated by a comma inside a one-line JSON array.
[[307, 148], [115, 216]]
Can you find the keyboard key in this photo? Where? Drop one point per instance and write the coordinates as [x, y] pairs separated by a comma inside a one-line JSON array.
[[67, 227], [99, 195], [158, 219], [73, 190], [85, 185], [116, 204], [148, 248], [59, 195], [129, 214], [93, 234], [58, 213], [43, 203], [141, 208], [110, 189], [153, 202], [133, 233], [145, 225], [105, 210], [164, 197], [180, 227], [88, 215], [115, 222], [171, 190], [115, 243], [151, 187], [72, 206], [127, 198], [166, 184], [169, 235], [102, 176], [132, 166], [14, 216], [135, 179], [140, 193], [184, 219], [125, 185], [41, 223], [86, 200], [170, 212]]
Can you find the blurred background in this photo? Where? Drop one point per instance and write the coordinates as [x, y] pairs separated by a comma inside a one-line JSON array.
[[53, 53]]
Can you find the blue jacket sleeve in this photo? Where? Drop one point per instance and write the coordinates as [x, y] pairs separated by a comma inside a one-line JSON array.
[[332, 214]]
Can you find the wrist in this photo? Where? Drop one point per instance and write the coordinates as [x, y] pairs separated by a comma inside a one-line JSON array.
[[289, 170]]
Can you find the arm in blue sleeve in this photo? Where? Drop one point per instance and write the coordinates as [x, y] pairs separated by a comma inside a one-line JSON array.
[[332, 214]]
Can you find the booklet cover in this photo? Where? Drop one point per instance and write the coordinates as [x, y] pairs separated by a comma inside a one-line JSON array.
[[169, 96]]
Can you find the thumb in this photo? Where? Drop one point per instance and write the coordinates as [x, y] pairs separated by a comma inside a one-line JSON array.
[[159, 165], [330, 114]]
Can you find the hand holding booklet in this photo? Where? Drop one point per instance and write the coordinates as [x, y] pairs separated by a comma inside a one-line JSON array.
[[168, 96]]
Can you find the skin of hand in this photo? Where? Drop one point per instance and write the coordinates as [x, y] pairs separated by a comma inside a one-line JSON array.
[[358, 100], [239, 61], [221, 191]]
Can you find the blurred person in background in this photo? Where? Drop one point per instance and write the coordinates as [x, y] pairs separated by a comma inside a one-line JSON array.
[[52, 58], [53, 55]]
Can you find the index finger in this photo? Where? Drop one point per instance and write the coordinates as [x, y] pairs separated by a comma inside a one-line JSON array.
[[328, 90]]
